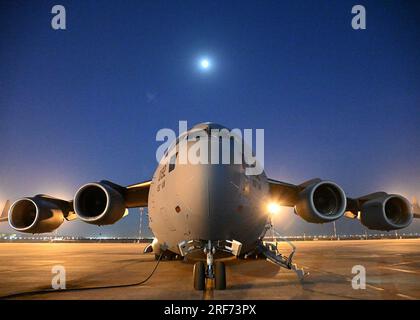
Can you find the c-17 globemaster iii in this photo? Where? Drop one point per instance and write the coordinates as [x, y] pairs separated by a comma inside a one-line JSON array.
[[207, 212]]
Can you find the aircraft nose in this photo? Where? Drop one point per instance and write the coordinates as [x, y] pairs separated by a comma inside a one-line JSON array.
[[213, 197], [235, 205], [216, 205], [224, 201]]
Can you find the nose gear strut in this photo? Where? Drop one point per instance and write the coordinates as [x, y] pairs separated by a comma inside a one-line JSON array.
[[215, 271], [209, 250]]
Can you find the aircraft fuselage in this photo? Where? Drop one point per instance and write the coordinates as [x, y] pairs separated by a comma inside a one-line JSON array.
[[206, 202]]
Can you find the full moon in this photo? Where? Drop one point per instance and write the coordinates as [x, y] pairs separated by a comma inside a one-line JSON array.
[[204, 64]]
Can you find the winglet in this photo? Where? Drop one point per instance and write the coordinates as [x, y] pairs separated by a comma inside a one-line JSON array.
[[4, 213]]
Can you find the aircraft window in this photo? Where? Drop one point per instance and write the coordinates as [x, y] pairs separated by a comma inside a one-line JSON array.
[[172, 162], [194, 136]]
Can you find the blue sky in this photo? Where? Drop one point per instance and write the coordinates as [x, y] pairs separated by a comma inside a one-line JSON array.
[[85, 104]]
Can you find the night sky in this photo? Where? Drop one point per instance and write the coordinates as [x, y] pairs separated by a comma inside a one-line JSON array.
[[84, 104]]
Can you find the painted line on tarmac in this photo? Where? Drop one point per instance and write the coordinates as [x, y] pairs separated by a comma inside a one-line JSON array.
[[347, 279], [374, 287], [404, 263], [369, 285], [405, 296], [401, 270], [208, 293]]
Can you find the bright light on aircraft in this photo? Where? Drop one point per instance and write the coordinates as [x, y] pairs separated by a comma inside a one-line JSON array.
[[273, 208]]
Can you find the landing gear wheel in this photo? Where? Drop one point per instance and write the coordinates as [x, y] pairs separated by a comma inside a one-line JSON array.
[[220, 275], [199, 274]]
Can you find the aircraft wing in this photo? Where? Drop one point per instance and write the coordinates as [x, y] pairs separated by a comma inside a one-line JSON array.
[[137, 195], [99, 203], [285, 194], [416, 208], [320, 201], [4, 213]]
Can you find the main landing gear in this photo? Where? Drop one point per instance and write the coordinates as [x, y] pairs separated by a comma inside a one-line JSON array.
[[212, 271]]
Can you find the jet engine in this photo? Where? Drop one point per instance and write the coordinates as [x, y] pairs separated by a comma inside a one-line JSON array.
[[389, 212], [36, 214], [99, 203], [320, 202]]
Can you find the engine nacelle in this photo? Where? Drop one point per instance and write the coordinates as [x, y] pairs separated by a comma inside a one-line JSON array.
[[390, 212], [35, 215], [321, 202], [99, 204]]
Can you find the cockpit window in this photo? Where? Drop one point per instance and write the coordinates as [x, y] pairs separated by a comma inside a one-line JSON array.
[[172, 162]]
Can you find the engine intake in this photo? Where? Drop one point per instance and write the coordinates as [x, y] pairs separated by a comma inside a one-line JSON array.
[[321, 202], [35, 215], [99, 204], [390, 212]]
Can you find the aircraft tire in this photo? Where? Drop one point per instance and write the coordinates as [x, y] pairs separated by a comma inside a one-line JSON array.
[[220, 275], [199, 275]]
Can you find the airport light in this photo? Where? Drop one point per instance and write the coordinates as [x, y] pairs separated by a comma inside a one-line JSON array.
[[273, 208]]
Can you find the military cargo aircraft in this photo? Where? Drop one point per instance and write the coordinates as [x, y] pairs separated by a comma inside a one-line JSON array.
[[208, 211]]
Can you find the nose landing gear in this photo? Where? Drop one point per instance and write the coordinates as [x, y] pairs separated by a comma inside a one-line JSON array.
[[210, 273], [213, 271]]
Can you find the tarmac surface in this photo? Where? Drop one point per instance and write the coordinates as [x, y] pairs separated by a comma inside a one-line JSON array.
[[392, 272]]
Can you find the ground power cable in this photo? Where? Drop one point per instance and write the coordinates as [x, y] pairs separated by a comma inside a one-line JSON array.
[[41, 292]]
